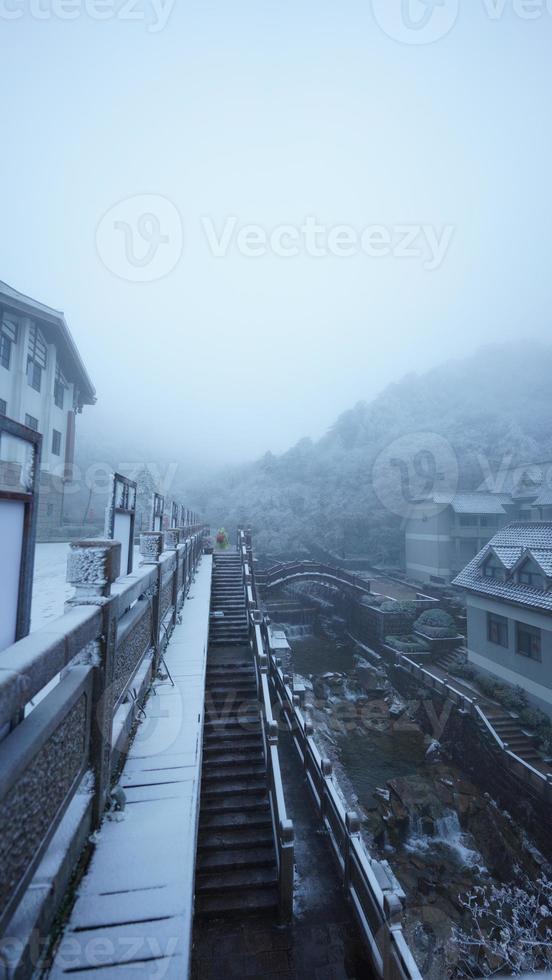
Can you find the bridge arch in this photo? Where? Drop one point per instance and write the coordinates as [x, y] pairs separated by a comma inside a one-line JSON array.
[[313, 571]]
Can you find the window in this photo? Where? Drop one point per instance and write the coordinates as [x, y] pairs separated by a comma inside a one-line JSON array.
[[34, 375], [56, 442], [528, 641], [488, 521], [60, 385], [36, 357], [493, 569], [3, 407], [49, 509], [467, 521], [8, 337], [497, 629], [528, 576], [31, 422]]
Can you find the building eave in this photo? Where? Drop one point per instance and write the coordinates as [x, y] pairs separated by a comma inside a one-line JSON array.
[[10, 298]]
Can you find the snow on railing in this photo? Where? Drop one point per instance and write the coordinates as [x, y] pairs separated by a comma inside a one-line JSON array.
[[89, 670], [372, 892], [282, 826]]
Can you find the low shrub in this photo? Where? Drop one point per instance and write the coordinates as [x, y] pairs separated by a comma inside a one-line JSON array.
[[436, 623]]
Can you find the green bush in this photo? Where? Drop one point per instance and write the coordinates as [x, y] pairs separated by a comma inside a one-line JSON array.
[[513, 698], [436, 623], [488, 685]]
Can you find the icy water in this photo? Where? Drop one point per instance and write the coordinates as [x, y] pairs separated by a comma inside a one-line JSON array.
[[369, 759]]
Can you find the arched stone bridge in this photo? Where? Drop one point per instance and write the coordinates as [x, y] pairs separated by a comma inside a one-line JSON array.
[[314, 571]]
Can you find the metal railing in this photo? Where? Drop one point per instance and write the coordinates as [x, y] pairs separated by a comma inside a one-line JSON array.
[[368, 883], [91, 667], [282, 826]]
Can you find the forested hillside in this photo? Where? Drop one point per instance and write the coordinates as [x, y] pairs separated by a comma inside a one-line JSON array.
[[490, 407]]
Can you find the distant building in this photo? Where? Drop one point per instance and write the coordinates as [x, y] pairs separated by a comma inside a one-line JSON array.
[[43, 384], [509, 600], [441, 541], [442, 538]]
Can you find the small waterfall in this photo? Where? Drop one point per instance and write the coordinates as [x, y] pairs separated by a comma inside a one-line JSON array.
[[295, 631], [449, 834]]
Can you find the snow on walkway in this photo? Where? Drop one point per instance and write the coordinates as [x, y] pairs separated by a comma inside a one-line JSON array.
[[50, 590], [133, 913]]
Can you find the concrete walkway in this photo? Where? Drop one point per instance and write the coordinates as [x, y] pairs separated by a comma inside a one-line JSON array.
[[133, 912]]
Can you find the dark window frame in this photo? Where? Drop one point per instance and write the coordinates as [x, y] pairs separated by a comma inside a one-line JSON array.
[[3, 406], [56, 442], [31, 422], [529, 642], [498, 630]]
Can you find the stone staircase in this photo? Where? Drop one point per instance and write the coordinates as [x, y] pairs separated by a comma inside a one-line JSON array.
[[510, 731], [228, 619], [236, 860]]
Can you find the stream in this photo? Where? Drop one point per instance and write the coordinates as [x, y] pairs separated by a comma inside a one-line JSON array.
[[440, 834]]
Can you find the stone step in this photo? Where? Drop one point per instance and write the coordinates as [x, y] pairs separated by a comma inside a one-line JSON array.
[[235, 905], [246, 771], [258, 803], [242, 838], [234, 751], [223, 821], [214, 788], [238, 880], [240, 859]]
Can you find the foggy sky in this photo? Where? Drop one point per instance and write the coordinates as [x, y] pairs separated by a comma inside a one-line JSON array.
[[272, 112]]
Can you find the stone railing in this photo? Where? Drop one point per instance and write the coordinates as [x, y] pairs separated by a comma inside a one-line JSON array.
[[527, 773], [282, 826], [368, 883], [87, 673]]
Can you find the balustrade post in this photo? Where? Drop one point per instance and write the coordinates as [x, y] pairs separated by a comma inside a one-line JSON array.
[[352, 826], [172, 538], [151, 549], [92, 567], [326, 769], [286, 871], [392, 910]]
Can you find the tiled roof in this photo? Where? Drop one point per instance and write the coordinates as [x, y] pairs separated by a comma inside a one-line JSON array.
[[523, 480], [508, 556], [514, 540]]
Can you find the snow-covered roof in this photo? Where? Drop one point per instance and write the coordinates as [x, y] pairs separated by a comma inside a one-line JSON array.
[[476, 502], [512, 545], [524, 480], [58, 333]]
